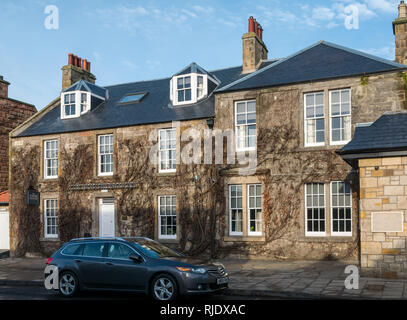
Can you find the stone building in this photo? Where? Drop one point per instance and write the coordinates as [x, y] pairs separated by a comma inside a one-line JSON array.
[[379, 152], [12, 114], [276, 189]]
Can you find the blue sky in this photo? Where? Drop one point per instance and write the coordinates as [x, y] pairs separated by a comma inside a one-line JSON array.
[[139, 40]]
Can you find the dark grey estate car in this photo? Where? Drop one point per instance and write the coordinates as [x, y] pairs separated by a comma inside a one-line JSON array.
[[133, 264]]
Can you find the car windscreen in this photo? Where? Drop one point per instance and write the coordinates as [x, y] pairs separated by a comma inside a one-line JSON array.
[[154, 249]]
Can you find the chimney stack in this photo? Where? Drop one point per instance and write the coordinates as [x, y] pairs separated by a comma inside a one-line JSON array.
[[400, 31], [254, 49], [76, 69], [3, 88]]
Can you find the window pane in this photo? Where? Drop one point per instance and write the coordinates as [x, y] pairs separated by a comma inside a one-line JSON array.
[[341, 207], [93, 249]]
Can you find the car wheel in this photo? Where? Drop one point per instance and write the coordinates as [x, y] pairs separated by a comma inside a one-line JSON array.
[[68, 284], [164, 288]]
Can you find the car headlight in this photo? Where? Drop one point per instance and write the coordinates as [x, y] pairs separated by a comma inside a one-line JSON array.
[[193, 270]]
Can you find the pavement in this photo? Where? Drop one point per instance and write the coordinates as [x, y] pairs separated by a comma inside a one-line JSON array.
[[254, 278]]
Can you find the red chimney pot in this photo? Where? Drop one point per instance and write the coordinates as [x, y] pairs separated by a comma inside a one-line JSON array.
[[70, 58], [251, 24], [88, 66], [256, 26]]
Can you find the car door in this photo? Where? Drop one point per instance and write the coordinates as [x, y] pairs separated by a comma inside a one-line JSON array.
[[122, 272], [92, 265]]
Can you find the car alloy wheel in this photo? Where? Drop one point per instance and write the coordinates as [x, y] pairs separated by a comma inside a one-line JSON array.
[[164, 288], [68, 284]]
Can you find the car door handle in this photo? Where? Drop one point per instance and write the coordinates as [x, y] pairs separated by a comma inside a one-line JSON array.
[[77, 260], [109, 263]]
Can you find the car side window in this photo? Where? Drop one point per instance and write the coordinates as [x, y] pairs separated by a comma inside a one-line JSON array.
[[73, 250], [94, 249], [119, 251]]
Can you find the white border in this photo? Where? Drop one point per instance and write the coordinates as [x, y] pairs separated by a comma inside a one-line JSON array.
[[308, 233], [103, 174], [236, 125], [160, 236], [159, 152], [316, 144], [234, 233], [45, 159], [343, 142], [341, 234], [254, 233], [46, 235]]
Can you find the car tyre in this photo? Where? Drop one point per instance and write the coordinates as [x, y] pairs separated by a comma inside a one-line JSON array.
[[68, 284], [164, 288]]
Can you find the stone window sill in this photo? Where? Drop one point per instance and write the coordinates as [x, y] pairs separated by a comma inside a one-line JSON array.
[[169, 241], [50, 239], [328, 239], [244, 239]]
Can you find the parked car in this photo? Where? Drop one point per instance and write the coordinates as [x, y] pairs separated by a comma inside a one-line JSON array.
[[133, 264]]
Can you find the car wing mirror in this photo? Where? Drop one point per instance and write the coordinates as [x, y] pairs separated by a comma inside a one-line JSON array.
[[136, 258]]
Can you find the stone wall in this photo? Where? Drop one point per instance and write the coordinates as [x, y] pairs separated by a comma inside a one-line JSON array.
[[383, 217], [12, 114]]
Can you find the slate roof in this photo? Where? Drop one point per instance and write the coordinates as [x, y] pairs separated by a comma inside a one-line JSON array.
[[388, 133], [323, 60], [154, 108]]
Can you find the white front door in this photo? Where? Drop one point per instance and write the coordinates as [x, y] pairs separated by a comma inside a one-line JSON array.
[[106, 217], [4, 230]]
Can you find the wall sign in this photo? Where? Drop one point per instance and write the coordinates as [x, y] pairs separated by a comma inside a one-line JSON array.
[[387, 221], [32, 197]]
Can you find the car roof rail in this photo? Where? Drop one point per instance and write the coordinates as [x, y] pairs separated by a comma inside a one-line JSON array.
[[97, 238]]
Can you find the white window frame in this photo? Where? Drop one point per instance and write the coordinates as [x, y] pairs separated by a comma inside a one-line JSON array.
[[231, 232], [194, 88], [78, 102], [46, 234], [342, 142], [45, 143], [166, 150], [100, 173], [338, 233], [254, 233], [313, 233], [315, 144], [244, 125], [165, 236]]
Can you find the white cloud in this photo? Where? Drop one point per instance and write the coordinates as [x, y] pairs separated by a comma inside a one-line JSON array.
[[386, 52], [206, 10], [321, 13], [388, 6]]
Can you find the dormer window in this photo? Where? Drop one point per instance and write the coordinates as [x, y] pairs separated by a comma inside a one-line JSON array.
[[80, 98], [191, 84], [74, 104]]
